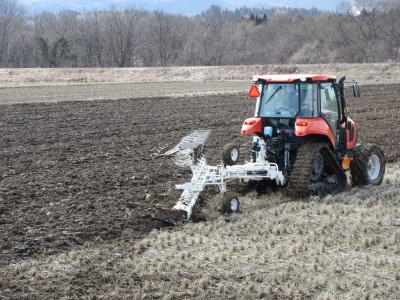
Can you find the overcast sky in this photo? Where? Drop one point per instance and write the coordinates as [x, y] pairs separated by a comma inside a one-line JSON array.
[[187, 7]]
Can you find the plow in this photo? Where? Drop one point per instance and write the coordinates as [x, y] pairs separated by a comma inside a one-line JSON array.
[[302, 140]]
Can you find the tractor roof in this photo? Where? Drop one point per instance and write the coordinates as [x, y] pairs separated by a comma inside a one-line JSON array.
[[293, 77]]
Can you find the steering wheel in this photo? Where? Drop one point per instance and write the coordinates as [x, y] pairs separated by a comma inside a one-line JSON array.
[[286, 108], [306, 109]]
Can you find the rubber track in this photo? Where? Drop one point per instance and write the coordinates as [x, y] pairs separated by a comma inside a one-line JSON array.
[[300, 178], [334, 167]]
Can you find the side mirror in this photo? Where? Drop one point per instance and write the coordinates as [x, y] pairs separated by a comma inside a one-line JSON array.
[[356, 90]]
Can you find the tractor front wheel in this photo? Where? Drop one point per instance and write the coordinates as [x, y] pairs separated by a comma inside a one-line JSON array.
[[230, 204], [368, 165]]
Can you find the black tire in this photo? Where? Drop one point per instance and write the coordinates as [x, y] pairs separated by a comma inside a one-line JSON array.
[[230, 155], [368, 165], [230, 204]]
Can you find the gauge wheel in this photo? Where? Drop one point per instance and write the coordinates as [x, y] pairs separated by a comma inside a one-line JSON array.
[[230, 204], [230, 155]]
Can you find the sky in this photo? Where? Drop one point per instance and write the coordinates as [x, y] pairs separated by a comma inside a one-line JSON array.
[[185, 7]]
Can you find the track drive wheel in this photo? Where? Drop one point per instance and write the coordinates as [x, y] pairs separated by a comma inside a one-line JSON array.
[[230, 155], [230, 204], [368, 166]]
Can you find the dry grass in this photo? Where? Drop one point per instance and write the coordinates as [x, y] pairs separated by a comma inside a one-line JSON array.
[[341, 247], [376, 73]]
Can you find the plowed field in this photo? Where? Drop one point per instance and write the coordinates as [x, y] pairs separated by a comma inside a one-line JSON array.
[[77, 176]]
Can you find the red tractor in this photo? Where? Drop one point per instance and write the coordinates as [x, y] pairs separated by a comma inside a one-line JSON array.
[[303, 140], [304, 122]]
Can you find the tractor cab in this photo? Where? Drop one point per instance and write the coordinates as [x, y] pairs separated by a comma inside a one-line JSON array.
[[306, 107]]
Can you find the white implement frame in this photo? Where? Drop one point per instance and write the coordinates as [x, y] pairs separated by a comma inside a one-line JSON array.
[[189, 152]]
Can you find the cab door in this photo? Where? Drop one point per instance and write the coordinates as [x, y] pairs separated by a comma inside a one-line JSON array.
[[330, 109]]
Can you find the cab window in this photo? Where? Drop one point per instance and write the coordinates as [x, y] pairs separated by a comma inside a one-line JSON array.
[[328, 99], [279, 100], [330, 108], [308, 100]]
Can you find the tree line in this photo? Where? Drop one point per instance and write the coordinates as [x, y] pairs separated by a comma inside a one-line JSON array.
[[359, 31]]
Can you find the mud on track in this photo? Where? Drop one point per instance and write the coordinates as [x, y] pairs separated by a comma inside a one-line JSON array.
[[73, 172]]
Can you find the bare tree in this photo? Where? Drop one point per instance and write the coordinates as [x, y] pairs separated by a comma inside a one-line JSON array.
[[361, 31], [392, 32], [363, 28], [11, 20], [91, 26], [239, 40], [279, 38], [212, 34], [168, 34], [124, 36]]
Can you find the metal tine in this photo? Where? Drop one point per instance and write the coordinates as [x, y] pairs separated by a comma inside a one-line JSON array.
[[191, 141], [194, 139]]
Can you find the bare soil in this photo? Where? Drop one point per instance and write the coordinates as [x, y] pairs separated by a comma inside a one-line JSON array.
[[118, 91], [81, 177]]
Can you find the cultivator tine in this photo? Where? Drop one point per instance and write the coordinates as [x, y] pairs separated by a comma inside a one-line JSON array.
[[187, 201], [192, 189], [189, 149], [195, 139], [189, 153]]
